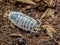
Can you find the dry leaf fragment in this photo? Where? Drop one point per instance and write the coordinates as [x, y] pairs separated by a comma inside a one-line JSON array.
[[6, 13], [12, 25], [50, 2], [58, 0], [51, 13], [49, 29], [58, 43], [1, 0], [48, 12], [16, 34], [26, 1], [37, 0]]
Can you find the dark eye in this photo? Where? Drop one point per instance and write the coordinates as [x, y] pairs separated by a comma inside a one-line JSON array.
[[24, 26], [34, 30], [31, 28], [31, 24]]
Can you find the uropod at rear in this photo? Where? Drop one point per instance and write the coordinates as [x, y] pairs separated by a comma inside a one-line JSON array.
[[23, 21]]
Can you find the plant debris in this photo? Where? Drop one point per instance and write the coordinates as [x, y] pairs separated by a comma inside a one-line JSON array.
[[47, 11], [58, 43], [26, 1], [50, 3], [15, 35], [49, 29]]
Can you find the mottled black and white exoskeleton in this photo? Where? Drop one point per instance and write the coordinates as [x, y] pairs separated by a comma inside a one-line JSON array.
[[23, 21]]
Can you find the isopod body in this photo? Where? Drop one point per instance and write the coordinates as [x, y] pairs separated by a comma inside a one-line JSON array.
[[23, 21]]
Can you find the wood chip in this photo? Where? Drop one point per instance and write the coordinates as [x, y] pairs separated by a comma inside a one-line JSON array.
[[1, 0], [26, 1], [6, 13], [49, 2], [16, 34], [58, 0], [51, 13], [37, 0], [58, 43], [49, 29]]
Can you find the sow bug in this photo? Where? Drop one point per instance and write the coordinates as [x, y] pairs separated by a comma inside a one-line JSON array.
[[23, 21]]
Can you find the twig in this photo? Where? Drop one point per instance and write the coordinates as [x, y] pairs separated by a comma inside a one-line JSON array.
[[45, 13], [15, 34], [48, 12], [26, 1]]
